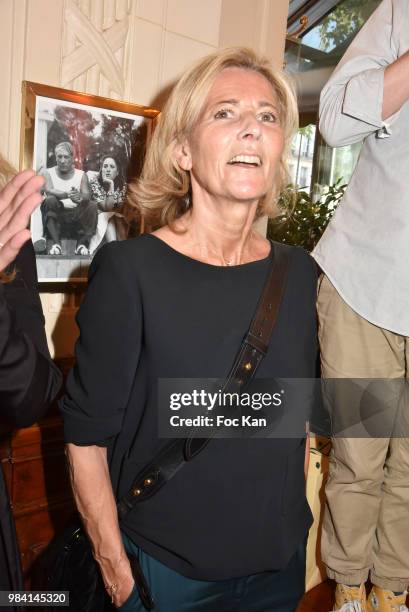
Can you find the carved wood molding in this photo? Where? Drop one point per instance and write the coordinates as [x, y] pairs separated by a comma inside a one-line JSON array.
[[97, 47], [84, 58]]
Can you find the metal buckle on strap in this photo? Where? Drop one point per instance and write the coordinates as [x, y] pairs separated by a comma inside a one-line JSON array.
[[256, 343]]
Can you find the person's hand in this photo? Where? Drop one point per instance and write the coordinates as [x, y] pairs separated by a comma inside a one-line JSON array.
[[18, 199], [122, 582], [123, 593], [109, 186], [75, 195]]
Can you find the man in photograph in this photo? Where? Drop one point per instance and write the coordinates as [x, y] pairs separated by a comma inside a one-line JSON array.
[[67, 209]]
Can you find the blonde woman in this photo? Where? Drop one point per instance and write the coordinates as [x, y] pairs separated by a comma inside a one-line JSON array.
[[228, 531]]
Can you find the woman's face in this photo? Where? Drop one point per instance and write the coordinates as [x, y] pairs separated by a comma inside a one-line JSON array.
[[109, 170], [234, 150]]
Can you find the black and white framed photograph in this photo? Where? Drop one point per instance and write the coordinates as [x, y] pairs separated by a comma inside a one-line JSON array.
[[87, 148]]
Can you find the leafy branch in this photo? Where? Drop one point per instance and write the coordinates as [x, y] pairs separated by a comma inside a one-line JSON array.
[[307, 220]]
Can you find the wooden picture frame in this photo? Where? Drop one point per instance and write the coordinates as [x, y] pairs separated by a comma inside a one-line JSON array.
[[86, 130]]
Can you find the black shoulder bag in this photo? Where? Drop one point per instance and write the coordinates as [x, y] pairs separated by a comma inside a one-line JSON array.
[[71, 566]]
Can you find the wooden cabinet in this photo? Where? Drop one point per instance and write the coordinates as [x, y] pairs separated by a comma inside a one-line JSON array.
[[33, 462]]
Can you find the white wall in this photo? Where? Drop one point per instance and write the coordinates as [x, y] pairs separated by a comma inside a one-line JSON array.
[[124, 49]]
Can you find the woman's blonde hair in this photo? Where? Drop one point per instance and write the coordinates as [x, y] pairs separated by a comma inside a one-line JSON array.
[[6, 174], [162, 194], [6, 171]]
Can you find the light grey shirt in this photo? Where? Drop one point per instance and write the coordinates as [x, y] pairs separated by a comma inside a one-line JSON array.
[[365, 248]]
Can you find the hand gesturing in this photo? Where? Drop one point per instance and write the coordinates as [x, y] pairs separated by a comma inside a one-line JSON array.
[[18, 199]]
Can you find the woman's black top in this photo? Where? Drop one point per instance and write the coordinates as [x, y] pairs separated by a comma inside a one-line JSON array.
[[150, 312]]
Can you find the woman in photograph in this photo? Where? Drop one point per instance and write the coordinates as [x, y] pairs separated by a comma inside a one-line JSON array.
[[228, 531], [28, 378], [108, 190]]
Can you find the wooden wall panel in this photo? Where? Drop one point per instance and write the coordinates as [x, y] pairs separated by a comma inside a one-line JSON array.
[[33, 462]]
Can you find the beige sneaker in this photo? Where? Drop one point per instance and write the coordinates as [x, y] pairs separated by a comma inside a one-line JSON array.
[[350, 599], [380, 600]]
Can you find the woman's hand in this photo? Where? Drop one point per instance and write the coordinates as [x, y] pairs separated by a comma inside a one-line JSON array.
[[109, 186], [18, 199], [125, 584]]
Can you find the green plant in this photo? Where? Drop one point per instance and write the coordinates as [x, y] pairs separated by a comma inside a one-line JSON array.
[[306, 222], [344, 22]]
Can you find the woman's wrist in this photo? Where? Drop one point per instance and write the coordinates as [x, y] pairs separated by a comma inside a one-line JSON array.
[[111, 556]]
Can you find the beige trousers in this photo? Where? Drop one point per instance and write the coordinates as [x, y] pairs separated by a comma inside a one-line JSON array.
[[366, 520]]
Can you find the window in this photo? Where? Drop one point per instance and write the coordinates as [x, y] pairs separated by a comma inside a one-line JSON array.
[[339, 26], [305, 175], [334, 164], [328, 34], [311, 58], [301, 157], [326, 168]]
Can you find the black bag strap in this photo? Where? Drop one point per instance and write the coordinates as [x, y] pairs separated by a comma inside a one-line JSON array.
[[174, 455]]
